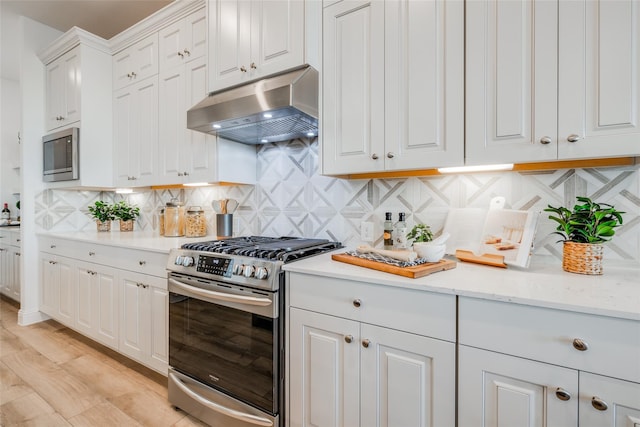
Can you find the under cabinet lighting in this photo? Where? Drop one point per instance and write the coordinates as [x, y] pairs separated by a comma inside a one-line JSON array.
[[124, 190], [479, 168], [196, 184], [217, 126]]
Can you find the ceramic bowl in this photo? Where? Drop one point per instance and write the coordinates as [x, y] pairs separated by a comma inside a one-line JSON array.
[[429, 251]]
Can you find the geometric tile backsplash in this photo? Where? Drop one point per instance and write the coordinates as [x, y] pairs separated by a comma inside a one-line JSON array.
[[292, 199]]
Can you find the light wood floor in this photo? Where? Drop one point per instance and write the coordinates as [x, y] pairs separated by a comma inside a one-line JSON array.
[[52, 376]]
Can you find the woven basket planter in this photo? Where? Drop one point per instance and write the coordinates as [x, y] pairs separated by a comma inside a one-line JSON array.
[[582, 258], [103, 225], [126, 225]]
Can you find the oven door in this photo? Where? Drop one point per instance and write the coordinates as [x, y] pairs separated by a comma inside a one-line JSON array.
[[227, 338]]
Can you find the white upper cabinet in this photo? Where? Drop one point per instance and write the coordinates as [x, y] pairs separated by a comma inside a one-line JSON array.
[[393, 85], [136, 62], [599, 78], [63, 90], [184, 40], [253, 39], [78, 93], [549, 80]]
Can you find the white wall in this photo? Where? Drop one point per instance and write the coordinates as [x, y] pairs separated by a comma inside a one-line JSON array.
[[31, 37]]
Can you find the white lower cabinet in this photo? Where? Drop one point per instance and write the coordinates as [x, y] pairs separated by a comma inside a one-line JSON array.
[[10, 270], [530, 366], [107, 294], [97, 303], [351, 362], [499, 390], [144, 319]]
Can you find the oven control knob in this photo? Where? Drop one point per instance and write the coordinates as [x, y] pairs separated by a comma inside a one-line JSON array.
[[261, 273], [178, 260], [248, 270], [237, 269], [187, 261]]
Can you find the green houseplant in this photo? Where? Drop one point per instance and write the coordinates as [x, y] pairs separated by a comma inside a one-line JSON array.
[[103, 214], [583, 230], [126, 213], [420, 233]]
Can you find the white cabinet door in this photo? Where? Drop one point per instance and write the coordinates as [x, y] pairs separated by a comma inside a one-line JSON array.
[[499, 390], [599, 78], [253, 39], [324, 370], [424, 84], [608, 402], [406, 379], [16, 270], [57, 293], [136, 62], [183, 41], [353, 87], [144, 319], [63, 79], [511, 81], [5, 269], [97, 303], [136, 133]]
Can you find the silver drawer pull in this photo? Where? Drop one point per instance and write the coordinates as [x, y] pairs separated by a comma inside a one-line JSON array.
[[91, 253], [599, 404], [142, 262], [573, 138], [545, 140], [562, 394], [580, 345], [357, 302], [53, 246]]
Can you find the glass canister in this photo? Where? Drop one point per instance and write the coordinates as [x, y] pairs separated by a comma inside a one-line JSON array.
[[174, 219], [196, 222], [161, 221]]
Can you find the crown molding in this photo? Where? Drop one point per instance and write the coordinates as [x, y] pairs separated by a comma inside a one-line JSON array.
[[166, 16], [72, 38]]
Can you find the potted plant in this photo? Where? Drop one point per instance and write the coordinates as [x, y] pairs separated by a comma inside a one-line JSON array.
[[422, 238], [583, 230], [103, 214], [126, 213]]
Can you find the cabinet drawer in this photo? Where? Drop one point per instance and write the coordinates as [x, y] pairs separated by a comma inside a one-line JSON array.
[[55, 245], [145, 262], [548, 335], [419, 312], [15, 239]]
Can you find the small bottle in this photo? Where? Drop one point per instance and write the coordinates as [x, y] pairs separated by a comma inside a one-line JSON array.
[[400, 233], [6, 213], [388, 231]]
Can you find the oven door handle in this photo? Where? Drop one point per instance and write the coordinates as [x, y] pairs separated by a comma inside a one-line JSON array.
[[248, 418], [221, 296]]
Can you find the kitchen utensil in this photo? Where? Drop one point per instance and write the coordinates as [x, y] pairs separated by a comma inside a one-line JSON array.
[[401, 255], [232, 205], [410, 272], [217, 206], [224, 225], [442, 239], [223, 206], [429, 251]]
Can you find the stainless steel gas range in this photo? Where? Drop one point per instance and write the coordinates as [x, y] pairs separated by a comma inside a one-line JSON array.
[[226, 327]]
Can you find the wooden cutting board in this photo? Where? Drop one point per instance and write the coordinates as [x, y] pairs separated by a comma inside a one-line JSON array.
[[411, 272]]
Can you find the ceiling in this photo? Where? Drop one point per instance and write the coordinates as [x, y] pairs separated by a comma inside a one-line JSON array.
[[104, 18]]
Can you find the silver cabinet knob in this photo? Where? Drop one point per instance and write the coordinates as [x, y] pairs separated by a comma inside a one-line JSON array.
[[52, 262], [562, 394], [374, 156], [53, 246], [365, 343], [390, 155], [142, 262], [599, 404], [187, 52], [357, 302], [243, 69], [253, 66], [180, 54], [91, 253], [545, 140], [348, 339], [573, 138], [580, 345]]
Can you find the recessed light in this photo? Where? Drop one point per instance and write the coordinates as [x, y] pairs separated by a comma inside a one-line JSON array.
[[124, 190]]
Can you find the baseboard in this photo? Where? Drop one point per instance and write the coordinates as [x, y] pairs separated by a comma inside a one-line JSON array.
[[28, 318]]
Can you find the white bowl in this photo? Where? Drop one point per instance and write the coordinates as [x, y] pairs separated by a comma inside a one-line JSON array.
[[429, 251]]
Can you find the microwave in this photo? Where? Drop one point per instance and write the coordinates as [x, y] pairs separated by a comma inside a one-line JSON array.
[[60, 153]]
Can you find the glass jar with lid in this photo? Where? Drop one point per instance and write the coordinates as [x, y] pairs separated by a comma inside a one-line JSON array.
[[195, 222], [174, 219]]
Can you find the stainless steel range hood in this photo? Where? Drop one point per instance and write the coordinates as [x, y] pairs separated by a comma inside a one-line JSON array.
[[277, 108]]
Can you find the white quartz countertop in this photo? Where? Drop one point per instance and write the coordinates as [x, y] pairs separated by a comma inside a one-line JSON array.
[[143, 240], [616, 293]]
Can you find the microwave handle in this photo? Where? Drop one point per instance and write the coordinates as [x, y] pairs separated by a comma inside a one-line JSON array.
[[248, 418], [221, 296]]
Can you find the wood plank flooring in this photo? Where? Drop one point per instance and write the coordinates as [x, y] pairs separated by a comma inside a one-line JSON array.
[[52, 376]]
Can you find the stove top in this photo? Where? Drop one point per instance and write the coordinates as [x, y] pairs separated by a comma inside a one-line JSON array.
[[254, 261], [283, 249]]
